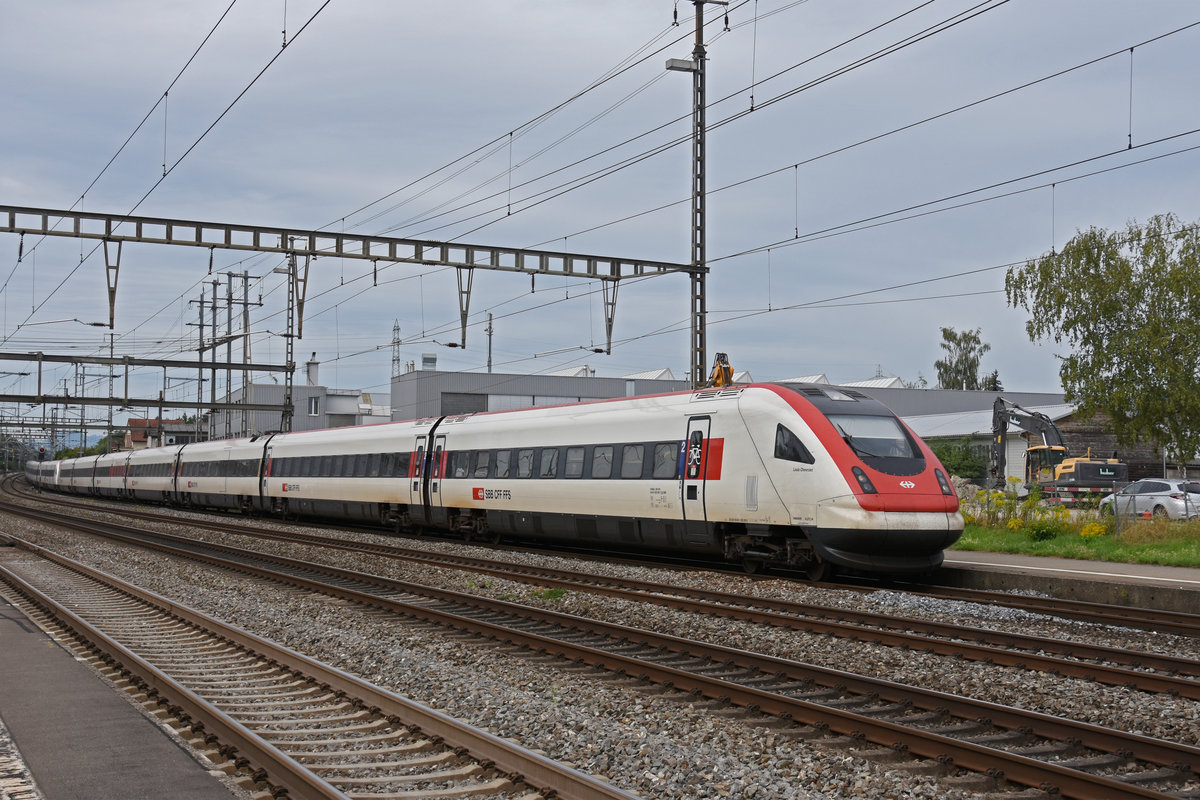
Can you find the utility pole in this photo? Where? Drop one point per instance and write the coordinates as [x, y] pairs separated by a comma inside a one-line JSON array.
[[699, 344], [397, 368], [489, 333]]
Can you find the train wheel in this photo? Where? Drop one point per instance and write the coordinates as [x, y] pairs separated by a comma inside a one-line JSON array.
[[818, 570], [752, 565]]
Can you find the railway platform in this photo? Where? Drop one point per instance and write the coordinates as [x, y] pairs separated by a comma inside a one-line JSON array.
[[1144, 585], [76, 736]]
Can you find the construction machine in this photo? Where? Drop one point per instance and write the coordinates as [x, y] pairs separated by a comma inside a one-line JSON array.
[[722, 372], [1049, 465]]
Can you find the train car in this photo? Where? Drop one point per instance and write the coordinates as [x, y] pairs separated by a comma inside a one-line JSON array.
[[77, 475], [809, 476], [356, 473], [110, 475], [43, 474], [218, 474], [150, 474]]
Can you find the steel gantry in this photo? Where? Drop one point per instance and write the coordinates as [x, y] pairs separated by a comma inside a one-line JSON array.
[[113, 230], [119, 228]]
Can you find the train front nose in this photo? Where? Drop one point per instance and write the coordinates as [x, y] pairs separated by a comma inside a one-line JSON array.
[[893, 538]]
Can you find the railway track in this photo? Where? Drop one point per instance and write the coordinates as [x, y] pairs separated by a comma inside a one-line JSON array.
[[873, 717], [295, 724], [1109, 665], [1179, 623]]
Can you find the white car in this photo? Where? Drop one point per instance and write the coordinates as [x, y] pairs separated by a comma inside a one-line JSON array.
[[1162, 498]]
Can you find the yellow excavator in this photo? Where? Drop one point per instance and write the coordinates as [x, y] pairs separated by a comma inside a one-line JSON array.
[[1049, 466]]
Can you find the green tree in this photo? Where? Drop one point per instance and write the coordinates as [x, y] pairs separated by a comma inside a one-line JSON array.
[[960, 368], [960, 458], [1127, 306]]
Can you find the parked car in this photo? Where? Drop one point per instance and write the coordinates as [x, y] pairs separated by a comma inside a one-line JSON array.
[[1169, 498]]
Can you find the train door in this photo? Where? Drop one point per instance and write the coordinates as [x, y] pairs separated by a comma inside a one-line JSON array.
[[416, 478], [264, 475], [437, 512], [692, 479]]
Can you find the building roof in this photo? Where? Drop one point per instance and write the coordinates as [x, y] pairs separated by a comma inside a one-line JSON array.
[[579, 371], [957, 424], [663, 374], [876, 383], [819, 378]]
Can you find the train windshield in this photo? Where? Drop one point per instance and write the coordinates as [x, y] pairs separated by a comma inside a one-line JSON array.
[[874, 437]]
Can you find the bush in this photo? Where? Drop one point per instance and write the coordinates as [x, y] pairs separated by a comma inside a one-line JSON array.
[[1043, 530]]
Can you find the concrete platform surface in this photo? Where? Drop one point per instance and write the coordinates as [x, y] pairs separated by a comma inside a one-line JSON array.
[[78, 737], [1145, 585]]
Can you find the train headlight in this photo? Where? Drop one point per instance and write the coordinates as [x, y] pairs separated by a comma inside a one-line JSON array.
[[942, 482], [864, 482]]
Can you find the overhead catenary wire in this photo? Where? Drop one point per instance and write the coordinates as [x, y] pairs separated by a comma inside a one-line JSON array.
[[187, 152]]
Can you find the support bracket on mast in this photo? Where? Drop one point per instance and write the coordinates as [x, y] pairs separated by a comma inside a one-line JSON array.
[[464, 299], [112, 267], [610, 311]]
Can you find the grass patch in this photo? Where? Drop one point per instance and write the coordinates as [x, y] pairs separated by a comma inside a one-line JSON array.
[[550, 594], [1175, 544]]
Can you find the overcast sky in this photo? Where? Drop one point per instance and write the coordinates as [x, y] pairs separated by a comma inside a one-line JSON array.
[[370, 97]]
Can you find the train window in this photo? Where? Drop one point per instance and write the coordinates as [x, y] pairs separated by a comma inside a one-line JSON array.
[[549, 467], [326, 468], [402, 461], [420, 461], [666, 460], [874, 437], [789, 447], [632, 457], [574, 463], [602, 461], [502, 459], [482, 458], [437, 461], [460, 464], [386, 464], [336, 464], [524, 463], [373, 464]]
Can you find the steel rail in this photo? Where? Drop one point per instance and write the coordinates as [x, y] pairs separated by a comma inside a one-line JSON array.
[[1018, 768], [898, 631], [533, 768]]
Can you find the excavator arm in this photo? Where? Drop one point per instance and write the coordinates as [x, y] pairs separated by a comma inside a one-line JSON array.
[[1005, 413]]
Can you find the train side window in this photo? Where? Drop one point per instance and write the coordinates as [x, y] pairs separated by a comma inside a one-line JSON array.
[[373, 462], [337, 463], [525, 463], [666, 461], [788, 447], [573, 468], [602, 461], [549, 467], [503, 457], [460, 464], [632, 458], [402, 461], [482, 460], [326, 468], [385, 464]]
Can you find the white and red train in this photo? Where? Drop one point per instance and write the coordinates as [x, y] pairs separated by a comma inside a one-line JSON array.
[[805, 475]]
